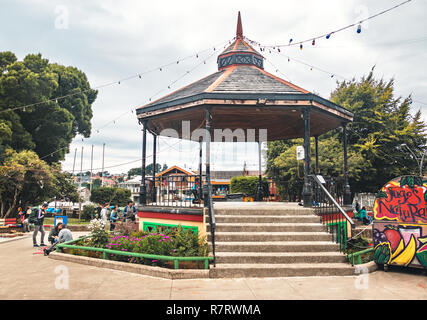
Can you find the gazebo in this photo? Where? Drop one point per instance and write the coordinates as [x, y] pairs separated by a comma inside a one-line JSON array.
[[242, 101]]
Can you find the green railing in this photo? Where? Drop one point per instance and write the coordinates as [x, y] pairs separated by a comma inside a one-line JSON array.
[[358, 256], [175, 260]]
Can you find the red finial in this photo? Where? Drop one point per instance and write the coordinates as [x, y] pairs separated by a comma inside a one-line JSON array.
[[239, 32]]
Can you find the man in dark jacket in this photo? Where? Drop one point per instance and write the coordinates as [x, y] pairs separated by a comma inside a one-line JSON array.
[[38, 225], [130, 212], [53, 234]]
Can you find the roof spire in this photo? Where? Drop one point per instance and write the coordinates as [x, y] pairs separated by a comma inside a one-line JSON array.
[[239, 31]]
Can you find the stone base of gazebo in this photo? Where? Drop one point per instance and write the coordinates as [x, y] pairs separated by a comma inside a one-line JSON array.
[[274, 239]]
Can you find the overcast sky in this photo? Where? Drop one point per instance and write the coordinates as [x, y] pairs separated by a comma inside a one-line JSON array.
[[111, 40]]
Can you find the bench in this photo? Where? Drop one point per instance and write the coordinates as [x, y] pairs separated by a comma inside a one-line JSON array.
[[11, 223]]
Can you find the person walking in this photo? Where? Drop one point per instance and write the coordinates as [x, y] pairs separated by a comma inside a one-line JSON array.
[[129, 212], [38, 225]]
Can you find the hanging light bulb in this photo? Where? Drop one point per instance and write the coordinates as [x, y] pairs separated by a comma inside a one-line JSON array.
[[300, 46], [289, 60], [359, 28], [328, 36], [197, 55], [332, 76], [177, 62], [290, 40], [314, 42], [160, 69], [139, 76], [169, 87], [278, 49], [311, 68], [119, 82]]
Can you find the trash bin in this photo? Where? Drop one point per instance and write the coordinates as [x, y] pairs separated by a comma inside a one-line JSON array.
[[400, 223]]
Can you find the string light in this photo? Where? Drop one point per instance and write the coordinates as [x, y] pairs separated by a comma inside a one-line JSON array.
[[359, 28], [328, 35], [105, 85]]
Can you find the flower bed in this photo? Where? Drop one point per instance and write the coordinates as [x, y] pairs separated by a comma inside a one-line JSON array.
[[177, 248]]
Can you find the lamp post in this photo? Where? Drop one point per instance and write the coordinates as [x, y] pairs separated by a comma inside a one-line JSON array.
[[420, 163]]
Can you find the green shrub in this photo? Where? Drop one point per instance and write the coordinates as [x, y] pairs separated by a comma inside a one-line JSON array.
[[247, 185], [88, 213]]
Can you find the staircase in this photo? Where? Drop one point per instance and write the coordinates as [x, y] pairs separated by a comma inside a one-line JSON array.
[[274, 242]]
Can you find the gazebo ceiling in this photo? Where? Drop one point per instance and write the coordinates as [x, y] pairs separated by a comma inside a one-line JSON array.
[[241, 95]]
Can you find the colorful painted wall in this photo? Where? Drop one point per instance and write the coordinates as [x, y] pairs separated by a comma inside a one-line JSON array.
[[400, 223]]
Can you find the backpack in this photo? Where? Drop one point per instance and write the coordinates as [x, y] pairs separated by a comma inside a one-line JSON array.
[[33, 216]]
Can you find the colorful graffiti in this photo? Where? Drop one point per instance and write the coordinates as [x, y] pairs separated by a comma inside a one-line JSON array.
[[402, 201], [399, 245], [400, 223]]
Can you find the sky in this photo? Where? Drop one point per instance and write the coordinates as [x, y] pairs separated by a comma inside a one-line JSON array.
[[111, 40]]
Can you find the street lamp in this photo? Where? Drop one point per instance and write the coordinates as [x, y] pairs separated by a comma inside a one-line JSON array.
[[420, 163]]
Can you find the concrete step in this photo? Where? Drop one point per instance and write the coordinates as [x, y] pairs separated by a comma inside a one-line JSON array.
[[275, 246], [265, 212], [268, 227], [280, 270], [279, 257], [265, 219], [271, 236]]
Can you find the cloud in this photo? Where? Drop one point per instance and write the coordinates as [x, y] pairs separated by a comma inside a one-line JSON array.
[[111, 40]]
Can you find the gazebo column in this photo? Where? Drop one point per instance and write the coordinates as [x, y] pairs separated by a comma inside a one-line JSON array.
[[259, 191], [200, 168], [316, 143], [347, 191], [154, 189], [306, 190], [207, 187], [143, 189]]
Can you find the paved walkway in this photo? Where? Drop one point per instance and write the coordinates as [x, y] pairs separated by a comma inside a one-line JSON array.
[[25, 275]]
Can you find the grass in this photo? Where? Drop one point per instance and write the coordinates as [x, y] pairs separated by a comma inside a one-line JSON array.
[[70, 221]]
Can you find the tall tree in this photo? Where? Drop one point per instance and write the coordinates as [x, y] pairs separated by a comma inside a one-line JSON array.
[[46, 128], [382, 123]]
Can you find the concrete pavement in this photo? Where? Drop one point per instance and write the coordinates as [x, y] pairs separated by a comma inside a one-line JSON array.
[[25, 275]]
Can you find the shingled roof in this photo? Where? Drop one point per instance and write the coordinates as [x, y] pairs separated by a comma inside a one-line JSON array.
[[237, 90]]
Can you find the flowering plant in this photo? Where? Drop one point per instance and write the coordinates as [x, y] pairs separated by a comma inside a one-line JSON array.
[[99, 236]]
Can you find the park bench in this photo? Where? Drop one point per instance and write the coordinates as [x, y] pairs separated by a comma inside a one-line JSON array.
[[11, 223]]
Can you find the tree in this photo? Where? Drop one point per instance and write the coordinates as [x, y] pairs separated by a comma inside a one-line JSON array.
[[64, 188], [46, 128], [148, 170], [381, 124], [96, 183], [24, 180], [113, 196]]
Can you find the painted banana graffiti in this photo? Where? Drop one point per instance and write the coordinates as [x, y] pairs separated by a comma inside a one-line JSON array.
[[399, 249], [407, 255]]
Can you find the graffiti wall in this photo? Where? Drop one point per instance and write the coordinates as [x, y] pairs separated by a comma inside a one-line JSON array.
[[400, 223]]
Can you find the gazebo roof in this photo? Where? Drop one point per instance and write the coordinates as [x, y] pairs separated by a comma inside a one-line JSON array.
[[241, 94]]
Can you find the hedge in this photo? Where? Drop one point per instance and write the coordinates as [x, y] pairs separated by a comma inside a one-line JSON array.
[[248, 185]]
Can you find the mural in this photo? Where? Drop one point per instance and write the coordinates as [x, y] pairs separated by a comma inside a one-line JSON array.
[[400, 223]]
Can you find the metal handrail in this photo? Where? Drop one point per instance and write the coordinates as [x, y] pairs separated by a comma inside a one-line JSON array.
[[212, 223], [132, 254], [332, 214], [358, 254], [333, 200]]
